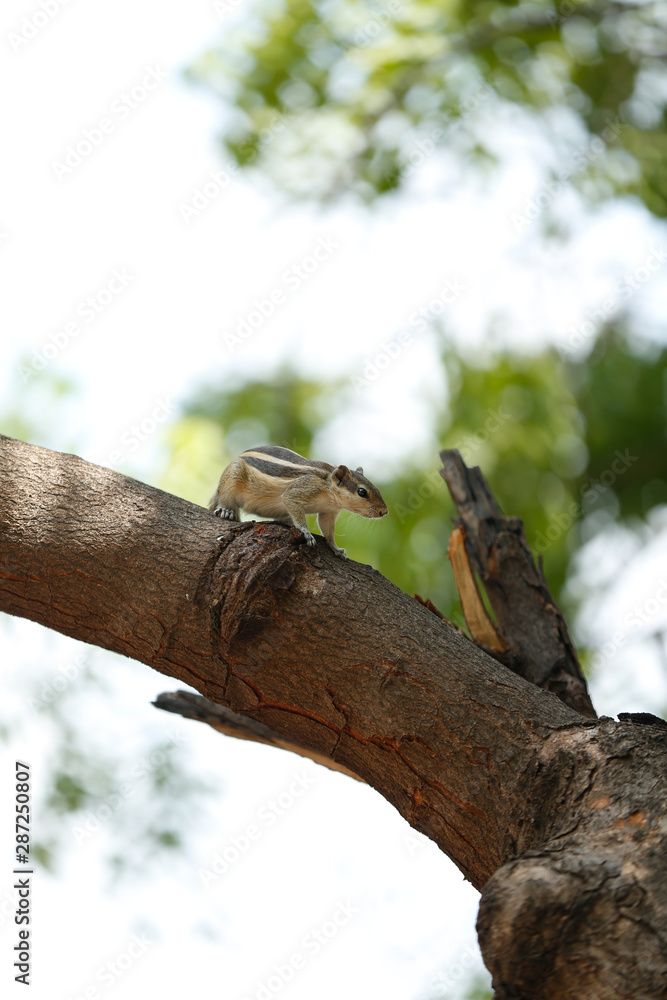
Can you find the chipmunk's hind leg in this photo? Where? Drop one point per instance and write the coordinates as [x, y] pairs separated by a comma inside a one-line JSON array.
[[226, 500]]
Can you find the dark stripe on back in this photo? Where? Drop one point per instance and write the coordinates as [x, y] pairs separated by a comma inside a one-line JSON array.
[[273, 469], [287, 456]]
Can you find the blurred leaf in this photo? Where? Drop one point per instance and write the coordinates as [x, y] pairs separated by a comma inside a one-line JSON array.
[[356, 85], [622, 394]]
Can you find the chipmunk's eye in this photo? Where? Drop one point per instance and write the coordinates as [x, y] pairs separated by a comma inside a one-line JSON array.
[[362, 492]]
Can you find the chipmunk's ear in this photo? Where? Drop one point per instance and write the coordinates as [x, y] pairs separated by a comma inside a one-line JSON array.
[[359, 471], [340, 473]]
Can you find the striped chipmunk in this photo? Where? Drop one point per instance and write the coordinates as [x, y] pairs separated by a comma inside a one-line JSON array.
[[277, 483]]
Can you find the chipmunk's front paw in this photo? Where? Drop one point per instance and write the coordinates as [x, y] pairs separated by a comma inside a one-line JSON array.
[[308, 537], [341, 553], [226, 512]]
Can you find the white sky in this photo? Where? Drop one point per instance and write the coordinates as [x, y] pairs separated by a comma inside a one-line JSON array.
[[184, 287]]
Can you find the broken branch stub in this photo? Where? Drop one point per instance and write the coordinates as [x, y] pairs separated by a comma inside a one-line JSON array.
[[539, 647]]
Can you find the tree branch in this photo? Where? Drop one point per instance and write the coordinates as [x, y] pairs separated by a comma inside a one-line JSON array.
[[327, 654], [223, 720], [560, 819], [538, 644]]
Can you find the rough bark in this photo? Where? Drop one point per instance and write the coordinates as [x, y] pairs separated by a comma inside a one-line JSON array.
[[535, 641], [559, 819], [223, 720]]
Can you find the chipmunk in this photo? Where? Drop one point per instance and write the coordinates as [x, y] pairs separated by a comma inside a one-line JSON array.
[[276, 482]]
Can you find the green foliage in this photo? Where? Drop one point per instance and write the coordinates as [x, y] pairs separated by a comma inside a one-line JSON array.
[[194, 448], [480, 994], [67, 793], [45, 855], [622, 395], [287, 407], [479, 989], [519, 421], [335, 95], [566, 445]]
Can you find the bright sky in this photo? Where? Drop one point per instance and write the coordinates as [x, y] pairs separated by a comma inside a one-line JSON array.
[[105, 281]]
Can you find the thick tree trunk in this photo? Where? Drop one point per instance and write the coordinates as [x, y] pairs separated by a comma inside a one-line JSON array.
[[559, 819]]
